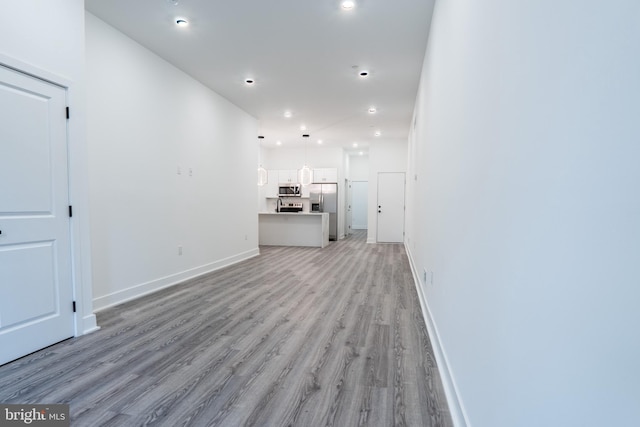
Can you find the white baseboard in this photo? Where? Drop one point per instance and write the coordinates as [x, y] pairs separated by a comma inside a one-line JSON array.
[[143, 289], [89, 324], [456, 408]]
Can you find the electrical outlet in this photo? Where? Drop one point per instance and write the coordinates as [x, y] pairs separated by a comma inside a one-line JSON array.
[[179, 250], [427, 277]]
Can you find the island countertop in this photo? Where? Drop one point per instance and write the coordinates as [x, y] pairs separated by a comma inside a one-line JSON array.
[[293, 228], [292, 213]]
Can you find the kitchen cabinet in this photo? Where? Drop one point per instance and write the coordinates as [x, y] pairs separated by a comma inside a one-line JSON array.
[[325, 175], [287, 176], [270, 189], [293, 229]]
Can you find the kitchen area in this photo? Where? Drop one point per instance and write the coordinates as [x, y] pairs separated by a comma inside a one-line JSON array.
[[293, 214]]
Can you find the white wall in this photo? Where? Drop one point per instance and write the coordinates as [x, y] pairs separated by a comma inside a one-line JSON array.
[[294, 158], [359, 168], [147, 120], [384, 156], [523, 202], [46, 39]]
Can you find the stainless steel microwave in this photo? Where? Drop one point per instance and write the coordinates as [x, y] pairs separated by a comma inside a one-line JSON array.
[[289, 190]]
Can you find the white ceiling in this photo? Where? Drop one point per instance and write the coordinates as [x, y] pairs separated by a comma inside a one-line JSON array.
[[303, 54]]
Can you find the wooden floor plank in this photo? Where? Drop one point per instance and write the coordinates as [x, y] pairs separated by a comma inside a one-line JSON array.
[[293, 337]]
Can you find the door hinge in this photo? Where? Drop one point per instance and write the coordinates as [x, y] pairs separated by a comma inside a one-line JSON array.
[[67, 109], [74, 306], [70, 211]]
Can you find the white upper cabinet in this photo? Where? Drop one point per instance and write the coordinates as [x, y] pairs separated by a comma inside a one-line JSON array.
[[325, 175], [287, 176], [271, 187]]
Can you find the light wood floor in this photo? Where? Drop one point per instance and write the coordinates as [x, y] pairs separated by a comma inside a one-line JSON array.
[[294, 337]]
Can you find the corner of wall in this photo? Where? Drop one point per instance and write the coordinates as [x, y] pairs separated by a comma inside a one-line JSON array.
[[88, 324], [454, 401]]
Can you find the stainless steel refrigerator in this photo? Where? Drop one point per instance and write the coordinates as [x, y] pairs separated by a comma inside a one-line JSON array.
[[324, 198]]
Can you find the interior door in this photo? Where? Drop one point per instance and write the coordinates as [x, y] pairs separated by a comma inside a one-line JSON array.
[[390, 207], [347, 207], [360, 202], [35, 274]]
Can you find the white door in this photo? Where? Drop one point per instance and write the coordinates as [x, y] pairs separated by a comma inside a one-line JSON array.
[[390, 207], [360, 199], [35, 273], [347, 207]]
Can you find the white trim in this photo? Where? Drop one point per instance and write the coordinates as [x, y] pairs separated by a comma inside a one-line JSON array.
[[456, 407], [87, 322], [147, 288], [84, 318], [34, 71]]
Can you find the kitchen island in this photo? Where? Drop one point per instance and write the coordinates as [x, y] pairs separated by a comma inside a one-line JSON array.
[[293, 229]]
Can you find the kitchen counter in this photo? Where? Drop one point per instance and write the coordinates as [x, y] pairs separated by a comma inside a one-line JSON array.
[[293, 229]]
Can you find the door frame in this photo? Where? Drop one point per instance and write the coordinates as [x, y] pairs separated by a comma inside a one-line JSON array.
[[366, 206], [78, 176], [347, 208]]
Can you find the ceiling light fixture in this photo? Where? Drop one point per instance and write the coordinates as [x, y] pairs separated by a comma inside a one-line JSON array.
[[361, 153], [303, 127], [319, 141], [181, 22], [249, 81], [287, 114], [278, 143], [372, 110], [378, 133], [348, 4], [355, 145], [363, 73]]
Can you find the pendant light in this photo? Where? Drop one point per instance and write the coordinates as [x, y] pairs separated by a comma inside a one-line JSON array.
[[263, 176], [305, 177]]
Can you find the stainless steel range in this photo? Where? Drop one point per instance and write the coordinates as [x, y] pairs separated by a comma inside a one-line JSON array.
[[290, 207]]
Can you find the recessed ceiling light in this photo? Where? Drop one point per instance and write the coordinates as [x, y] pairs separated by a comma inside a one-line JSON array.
[[372, 110], [278, 143], [287, 114], [303, 127], [363, 73], [355, 145], [319, 141], [361, 153], [348, 4], [378, 133], [181, 22], [249, 81]]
